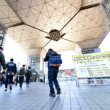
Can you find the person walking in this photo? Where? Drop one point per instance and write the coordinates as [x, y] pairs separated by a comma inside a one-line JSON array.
[[22, 73], [52, 74], [2, 63], [2, 60], [28, 76], [11, 71]]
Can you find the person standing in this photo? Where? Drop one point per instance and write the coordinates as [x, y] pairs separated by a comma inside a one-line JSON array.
[[28, 76], [52, 74], [11, 70], [22, 73]]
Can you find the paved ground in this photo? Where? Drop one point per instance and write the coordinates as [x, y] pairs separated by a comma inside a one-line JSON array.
[[36, 97]]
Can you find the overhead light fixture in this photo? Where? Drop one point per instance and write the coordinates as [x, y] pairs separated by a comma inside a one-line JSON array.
[[55, 35]]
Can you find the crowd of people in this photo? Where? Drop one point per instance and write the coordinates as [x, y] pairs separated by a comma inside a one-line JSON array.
[[10, 70]]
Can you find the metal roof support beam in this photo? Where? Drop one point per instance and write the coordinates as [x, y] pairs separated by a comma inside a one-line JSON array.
[[18, 24], [37, 29], [89, 6], [82, 8]]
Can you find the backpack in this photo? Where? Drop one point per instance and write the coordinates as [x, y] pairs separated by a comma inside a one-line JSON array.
[[21, 71], [55, 60], [28, 74]]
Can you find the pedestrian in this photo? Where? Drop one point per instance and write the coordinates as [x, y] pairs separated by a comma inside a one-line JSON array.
[[22, 73], [11, 71], [2, 60], [52, 74], [28, 76]]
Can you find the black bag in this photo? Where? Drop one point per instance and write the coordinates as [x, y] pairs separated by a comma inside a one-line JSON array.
[[21, 71]]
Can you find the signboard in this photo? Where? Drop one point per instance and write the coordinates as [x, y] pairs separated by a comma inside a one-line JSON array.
[[92, 65], [68, 72]]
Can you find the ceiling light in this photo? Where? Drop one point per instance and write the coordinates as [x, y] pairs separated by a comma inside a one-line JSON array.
[[55, 35]]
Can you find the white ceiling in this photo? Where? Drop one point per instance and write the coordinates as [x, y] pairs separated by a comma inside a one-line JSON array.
[[30, 21]]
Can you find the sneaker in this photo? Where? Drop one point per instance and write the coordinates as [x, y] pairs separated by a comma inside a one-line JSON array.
[[10, 87], [5, 89], [58, 91], [52, 94]]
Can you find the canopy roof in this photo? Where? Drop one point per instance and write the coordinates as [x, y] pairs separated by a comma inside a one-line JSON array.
[[30, 21]]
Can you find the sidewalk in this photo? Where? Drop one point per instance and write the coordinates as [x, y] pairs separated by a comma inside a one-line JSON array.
[[36, 97]]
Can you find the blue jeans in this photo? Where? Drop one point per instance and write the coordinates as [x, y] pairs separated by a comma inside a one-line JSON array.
[[52, 77], [0, 83], [27, 80], [1, 80], [10, 79], [16, 80]]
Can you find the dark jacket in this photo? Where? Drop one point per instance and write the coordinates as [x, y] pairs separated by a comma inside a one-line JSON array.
[[11, 68], [28, 73], [2, 60], [47, 58]]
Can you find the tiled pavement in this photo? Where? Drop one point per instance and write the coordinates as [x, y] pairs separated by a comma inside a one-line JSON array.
[[36, 97]]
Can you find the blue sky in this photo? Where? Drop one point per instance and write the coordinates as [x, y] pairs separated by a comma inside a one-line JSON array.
[[105, 45]]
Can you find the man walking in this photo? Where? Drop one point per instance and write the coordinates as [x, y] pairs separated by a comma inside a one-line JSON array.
[[2, 60], [28, 76], [11, 70], [2, 63], [22, 73], [52, 74]]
